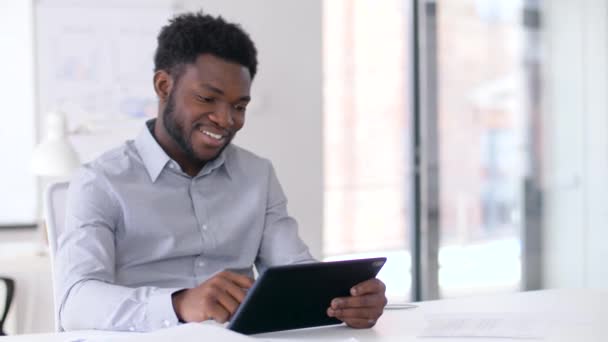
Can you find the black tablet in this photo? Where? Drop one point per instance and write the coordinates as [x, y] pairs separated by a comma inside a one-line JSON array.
[[297, 296]]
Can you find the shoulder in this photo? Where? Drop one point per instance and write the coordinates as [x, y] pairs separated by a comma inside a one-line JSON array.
[[113, 163], [116, 161]]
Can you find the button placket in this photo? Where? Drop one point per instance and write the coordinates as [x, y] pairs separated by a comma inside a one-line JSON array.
[[200, 211]]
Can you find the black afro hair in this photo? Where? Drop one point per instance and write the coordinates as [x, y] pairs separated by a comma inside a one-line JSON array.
[[191, 34]]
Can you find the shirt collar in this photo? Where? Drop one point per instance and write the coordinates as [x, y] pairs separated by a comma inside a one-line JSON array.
[[155, 159], [152, 155]]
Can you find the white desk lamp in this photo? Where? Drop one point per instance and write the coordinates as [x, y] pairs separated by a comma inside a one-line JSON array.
[[54, 159], [55, 156]]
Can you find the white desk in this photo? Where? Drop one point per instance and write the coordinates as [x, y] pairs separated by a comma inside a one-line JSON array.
[[570, 315]]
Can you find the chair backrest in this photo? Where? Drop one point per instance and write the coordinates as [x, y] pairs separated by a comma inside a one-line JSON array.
[[55, 199], [9, 292], [54, 212]]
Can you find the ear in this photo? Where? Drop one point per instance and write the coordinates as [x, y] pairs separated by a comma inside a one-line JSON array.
[[163, 83]]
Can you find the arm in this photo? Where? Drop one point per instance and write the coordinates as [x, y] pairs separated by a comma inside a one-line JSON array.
[[85, 267], [280, 243]]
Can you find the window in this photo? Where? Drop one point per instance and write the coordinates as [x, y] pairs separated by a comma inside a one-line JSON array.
[[367, 135], [478, 115], [486, 109]]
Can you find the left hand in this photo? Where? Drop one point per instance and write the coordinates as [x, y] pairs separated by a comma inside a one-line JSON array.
[[363, 308]]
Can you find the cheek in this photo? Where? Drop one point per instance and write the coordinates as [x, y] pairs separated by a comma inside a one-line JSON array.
[[185, 122], [183, 112], [239, 121]]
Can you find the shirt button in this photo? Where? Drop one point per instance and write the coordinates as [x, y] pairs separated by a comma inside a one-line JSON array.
[[131, 328], [201, 263], [205, 227], [166, 323]]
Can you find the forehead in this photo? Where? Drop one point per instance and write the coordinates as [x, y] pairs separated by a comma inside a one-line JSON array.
[[232, 78]]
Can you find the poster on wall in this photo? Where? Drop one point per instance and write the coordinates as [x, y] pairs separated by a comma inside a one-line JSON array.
[[95, 65]]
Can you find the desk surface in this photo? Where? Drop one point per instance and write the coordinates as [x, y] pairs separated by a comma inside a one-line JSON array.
[[569, 315]]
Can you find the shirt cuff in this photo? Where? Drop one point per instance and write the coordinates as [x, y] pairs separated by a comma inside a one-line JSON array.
[[160, 313]]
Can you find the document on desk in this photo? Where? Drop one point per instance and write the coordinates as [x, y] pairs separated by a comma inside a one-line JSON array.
[[192, 332], [504, 326]]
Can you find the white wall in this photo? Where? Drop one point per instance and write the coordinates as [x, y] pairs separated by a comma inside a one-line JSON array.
[[284, 122], [17, 131], [575, 232]]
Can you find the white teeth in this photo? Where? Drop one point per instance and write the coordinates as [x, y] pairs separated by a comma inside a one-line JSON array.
[[213, 135]]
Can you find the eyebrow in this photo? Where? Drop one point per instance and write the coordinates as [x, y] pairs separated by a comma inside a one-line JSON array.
[[221, 92]]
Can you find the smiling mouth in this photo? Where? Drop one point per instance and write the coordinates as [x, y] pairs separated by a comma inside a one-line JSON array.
[[211, 134]]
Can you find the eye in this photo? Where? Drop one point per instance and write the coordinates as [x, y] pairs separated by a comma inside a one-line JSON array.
[[206, 99], [240, 107]]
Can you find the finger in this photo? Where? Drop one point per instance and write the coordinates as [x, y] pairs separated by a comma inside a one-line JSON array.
[[356, 313], [217, 312], [358, 323], [233, 289], [368, 287], [226, 300], [239, 279], [373, 300]]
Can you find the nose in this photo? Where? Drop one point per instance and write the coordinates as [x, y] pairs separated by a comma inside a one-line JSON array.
[[223, 116]]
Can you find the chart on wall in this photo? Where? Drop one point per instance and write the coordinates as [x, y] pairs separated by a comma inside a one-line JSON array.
[[95, 64]]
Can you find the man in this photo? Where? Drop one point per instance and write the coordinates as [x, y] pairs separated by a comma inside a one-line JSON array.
[[168, 227]]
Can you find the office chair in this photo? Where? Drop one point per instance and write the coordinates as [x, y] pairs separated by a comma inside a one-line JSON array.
[[54, 211], [10, 290]]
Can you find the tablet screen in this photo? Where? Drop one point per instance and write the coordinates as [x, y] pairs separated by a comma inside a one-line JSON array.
[[297, 296]]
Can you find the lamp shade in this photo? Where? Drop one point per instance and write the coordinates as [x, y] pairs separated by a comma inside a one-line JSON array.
[[55, 156]]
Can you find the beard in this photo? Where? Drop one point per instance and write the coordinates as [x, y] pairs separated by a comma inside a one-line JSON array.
[[176, 131]]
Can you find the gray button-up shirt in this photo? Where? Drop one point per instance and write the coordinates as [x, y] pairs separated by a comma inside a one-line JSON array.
[[139, 229]]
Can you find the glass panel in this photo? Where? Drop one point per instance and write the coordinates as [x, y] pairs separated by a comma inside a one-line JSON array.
[[484, 120], [367, 135]]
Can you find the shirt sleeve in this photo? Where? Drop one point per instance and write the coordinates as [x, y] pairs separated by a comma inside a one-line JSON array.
[[281, 244], [86, 292]]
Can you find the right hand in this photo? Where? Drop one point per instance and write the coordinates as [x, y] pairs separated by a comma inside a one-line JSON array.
[[217, 298]]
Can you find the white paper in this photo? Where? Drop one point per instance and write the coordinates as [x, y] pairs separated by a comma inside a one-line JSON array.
[[514, 326], [181, 333], [192, 332]]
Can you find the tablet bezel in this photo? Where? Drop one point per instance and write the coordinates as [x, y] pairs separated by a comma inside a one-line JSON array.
[[297, 296]]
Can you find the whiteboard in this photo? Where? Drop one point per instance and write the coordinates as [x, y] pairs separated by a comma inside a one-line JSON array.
[[95, 64], [93, 60]]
